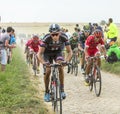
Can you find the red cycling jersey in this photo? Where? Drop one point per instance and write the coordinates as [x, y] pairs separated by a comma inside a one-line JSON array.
[[92, 44], [34, 44]]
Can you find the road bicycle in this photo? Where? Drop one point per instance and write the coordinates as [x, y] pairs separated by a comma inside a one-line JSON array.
[[55, 91], [35, 64], [74, 63], [95, 77]]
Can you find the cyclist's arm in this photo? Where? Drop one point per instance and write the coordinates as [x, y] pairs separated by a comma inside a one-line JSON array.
[[103, 47], [103, 50], [86, 51], [40, 54], [80, 47], [69, 51]]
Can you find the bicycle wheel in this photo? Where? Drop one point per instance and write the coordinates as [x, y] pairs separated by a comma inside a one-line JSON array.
[[60, 99], [29, 60], [97, 81], [91, 82], [35, 65], [76, 70], [72, 66], [75, 66]]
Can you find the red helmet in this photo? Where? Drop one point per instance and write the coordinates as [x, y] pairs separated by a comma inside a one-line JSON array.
[[97, 33]]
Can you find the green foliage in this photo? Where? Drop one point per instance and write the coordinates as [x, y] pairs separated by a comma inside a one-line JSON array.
[[17, 95], [112, 68], [103, 22]]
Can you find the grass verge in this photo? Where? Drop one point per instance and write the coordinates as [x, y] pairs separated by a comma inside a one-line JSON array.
[[17, 93], [112, 68]]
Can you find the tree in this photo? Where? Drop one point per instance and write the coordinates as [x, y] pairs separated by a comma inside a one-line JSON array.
[[103, 22]]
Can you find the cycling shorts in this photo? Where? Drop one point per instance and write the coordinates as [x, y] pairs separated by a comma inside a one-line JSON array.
[[49, 57]]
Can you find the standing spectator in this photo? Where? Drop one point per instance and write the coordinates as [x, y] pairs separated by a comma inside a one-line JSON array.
[[112, 33], [12, 41], [5, 44], [68, 34]]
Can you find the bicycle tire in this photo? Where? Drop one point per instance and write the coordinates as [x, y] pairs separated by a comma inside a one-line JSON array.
[[35, 65], [76, 70], [60, 99], [75, 65], [97, 81], [91, 82], [29, 60], [72, 67]]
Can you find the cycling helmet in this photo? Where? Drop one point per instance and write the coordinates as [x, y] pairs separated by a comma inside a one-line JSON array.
[[35, 37], [97, 33], [54, 28], [75, 34]]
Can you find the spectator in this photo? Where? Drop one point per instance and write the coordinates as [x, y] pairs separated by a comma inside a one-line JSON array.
[[112, 33], [5, 44]]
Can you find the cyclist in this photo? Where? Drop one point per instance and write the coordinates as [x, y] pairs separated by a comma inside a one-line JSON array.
[[33, 45], [91, 50], [51, 49], [74, 41], [83, 37]]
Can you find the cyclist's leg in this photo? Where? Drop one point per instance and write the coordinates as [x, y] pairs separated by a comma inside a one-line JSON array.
[[91, 53], [97, 54], [61, 75], [47, 78], [31, 55], [82, 62]]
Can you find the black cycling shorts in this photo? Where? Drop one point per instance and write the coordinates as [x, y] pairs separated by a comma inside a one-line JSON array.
[[49, 57]]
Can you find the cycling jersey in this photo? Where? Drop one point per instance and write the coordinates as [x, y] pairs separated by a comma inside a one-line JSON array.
[[33, 45], [52, 46], [92, 45], [82, 39], [73, 43]]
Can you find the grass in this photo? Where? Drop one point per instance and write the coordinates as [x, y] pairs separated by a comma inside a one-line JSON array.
[[112, 68], [17, 93]]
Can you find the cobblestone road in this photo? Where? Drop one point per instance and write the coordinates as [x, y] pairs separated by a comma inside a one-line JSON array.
[[81, 101]]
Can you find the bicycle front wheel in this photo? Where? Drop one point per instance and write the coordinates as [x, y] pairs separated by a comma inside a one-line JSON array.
[[97, 81], [91, 82], [57, 103], [72, 67], [76, 70]]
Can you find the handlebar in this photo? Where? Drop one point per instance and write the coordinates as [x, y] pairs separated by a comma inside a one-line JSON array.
[[57, 65]]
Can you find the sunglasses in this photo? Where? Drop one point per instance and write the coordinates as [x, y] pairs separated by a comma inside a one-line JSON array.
[[55, 34]]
